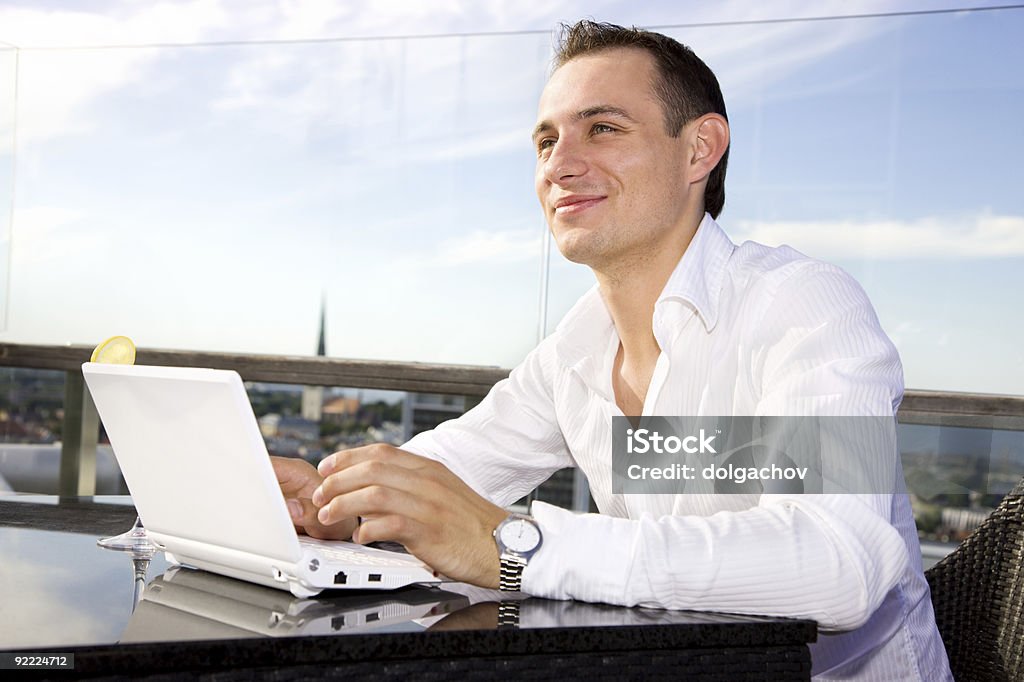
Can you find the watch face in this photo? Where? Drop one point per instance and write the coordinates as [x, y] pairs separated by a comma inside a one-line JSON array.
[[520, 536]]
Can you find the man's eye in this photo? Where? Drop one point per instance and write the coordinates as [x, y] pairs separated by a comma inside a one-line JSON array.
[[602, 128], [545, 144]]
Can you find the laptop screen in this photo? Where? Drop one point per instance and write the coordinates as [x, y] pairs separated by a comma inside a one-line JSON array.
[[191, 452]]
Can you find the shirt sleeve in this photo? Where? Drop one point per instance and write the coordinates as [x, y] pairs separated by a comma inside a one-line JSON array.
[[508, 444], [818, 350]]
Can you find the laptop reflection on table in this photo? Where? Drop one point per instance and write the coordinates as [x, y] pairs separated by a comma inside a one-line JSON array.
[[186, 604]]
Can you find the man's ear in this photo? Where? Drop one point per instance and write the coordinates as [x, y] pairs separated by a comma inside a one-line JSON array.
[[711, 139]]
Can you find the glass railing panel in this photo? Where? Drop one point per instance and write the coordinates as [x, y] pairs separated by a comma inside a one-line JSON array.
[[958, 474], [8, 136], [173, 188]]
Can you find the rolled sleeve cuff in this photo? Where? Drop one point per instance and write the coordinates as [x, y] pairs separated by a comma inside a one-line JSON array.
[[583, 556]]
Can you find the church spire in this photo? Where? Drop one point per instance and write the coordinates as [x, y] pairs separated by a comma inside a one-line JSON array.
[[321, 348], [313, 396]]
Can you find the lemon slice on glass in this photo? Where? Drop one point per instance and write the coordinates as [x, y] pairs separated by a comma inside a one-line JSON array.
[[117, 350]]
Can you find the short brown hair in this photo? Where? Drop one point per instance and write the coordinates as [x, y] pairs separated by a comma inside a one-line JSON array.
[[685, 85]]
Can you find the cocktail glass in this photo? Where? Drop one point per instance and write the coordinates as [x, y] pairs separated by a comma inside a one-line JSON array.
[[134, 540]]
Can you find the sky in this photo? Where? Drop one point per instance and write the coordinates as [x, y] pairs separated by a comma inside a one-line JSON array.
[[199, 175]]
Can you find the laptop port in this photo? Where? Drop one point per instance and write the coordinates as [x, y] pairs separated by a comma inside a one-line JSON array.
[[374, 578], [372, 617], [340, 578]]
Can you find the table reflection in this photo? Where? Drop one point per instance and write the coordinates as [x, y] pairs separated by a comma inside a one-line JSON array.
[[187, 604]]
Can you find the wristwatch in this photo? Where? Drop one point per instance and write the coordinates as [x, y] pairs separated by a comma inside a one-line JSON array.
[[518, 539]]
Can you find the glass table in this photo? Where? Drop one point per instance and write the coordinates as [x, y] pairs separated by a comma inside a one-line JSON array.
[[62, 595]]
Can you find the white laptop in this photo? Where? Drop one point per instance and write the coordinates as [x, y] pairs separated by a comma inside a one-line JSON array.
[[197, 467]]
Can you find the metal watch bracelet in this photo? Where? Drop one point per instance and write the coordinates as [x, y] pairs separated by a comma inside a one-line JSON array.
[[510, 578]]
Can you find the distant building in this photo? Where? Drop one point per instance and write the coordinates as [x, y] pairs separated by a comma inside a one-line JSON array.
[[339, 409], [561, 490], [388, 432], [312, 403], [268, 424], [423, 411], [296, 437], [960, 521], [299, 428]]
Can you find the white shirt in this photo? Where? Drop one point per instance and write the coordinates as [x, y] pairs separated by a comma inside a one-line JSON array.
[[743, 330]]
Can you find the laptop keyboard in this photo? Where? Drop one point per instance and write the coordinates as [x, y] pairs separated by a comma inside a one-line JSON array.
[[356, 556]]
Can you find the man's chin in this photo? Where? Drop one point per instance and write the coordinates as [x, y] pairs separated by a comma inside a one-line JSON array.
[[575, 255], [576, 248], [577, 258]]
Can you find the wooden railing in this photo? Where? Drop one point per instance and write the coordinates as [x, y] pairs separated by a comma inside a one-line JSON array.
[[417, 377], [81, 424]]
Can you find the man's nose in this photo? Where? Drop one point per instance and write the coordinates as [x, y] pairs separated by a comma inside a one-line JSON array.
[[565, 162]]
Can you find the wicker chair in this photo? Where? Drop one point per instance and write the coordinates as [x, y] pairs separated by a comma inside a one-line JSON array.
[[978, 596]]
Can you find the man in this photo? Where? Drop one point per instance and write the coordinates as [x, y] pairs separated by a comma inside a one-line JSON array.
[[632, 140]]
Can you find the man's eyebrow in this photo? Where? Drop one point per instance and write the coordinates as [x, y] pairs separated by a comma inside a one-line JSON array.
[[602, 110], [583, 114], [542, 127]]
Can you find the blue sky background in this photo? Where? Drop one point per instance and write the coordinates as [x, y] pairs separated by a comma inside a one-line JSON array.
[[202, 197]]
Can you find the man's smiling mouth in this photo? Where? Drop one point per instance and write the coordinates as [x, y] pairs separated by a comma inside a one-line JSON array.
[[577, 202]]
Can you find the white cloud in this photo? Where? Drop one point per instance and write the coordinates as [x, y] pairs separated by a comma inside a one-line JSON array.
[[286, 90], [57, 89], [905, 331], [119, 23], [55, 92], [481, 246], [431, 99], [378, 87], [980, 236], [476, 144], [46, 234]]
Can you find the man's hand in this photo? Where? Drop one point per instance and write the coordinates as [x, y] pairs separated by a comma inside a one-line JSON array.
[[298, 479], [415, 501]]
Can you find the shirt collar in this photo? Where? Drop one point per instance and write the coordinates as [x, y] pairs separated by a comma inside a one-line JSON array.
[[584, 332], [697, 280]]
